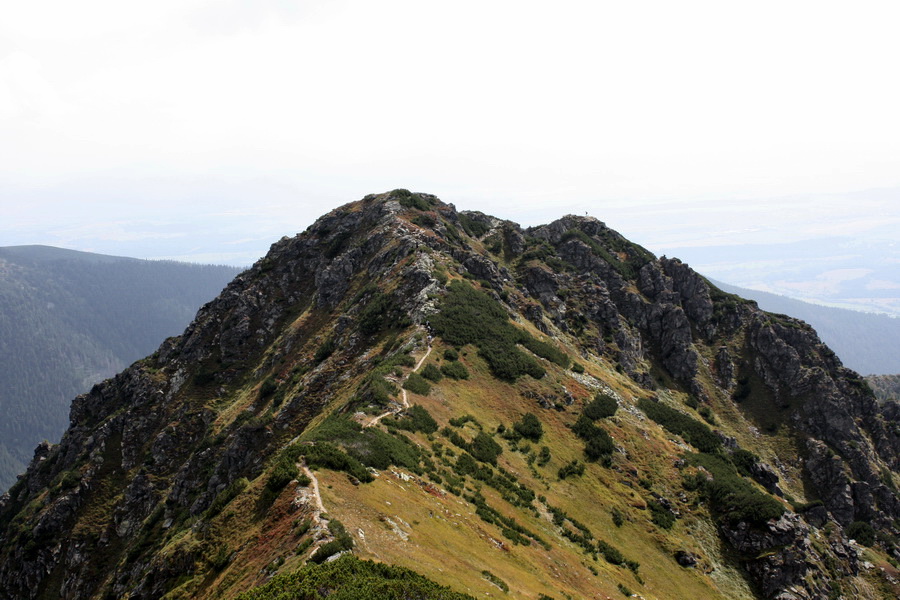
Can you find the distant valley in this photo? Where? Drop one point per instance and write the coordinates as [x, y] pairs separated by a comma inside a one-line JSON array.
[[69, 319]]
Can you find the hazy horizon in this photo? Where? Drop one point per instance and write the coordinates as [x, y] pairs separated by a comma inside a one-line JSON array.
[[204, 131]]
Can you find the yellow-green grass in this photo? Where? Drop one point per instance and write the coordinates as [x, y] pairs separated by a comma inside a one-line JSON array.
[[492, 401]]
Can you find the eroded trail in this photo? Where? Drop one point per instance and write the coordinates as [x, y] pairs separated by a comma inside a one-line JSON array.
[[403, 397], [316, 497], [312, 498]]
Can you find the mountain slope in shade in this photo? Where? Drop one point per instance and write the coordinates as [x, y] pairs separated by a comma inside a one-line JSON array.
[[543, 413], [865, 342], [69, 319]]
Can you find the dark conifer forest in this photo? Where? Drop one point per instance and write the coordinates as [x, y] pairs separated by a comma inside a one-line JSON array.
[[70, 319]]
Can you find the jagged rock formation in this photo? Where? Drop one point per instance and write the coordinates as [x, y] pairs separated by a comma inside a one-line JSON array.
[[175, 476]]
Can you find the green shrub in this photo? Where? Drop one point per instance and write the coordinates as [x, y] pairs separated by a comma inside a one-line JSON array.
[[495, 580], [576, 467], [862, 532], [529, 427], [379, 450], [268, 387], [408, 199], [544, 456], [331, 457], [577, 368], [460, 421], [598, 443], [744, 460], [70, 480], [372, 316], [508, 362], [417, 384], [473, 228], [805, 506], [455, 370], [349, 578], [600, 407], [451, 354], [219, 559], [731, 497], [432, 373], [341, 542], [694, 432], [370, 447], [612, 554], [485, 449], [707, 415], [618, 517], [660, 515], [469, 316], [415, 419], [325, 350], [599, 448], [336, 245], [545, 350], [743, 390]]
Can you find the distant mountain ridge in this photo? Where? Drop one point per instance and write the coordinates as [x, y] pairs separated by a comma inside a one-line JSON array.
[[868, 343], [68, 319], [41, 253]]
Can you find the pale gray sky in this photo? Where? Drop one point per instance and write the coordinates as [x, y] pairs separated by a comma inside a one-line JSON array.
[[205, 130]]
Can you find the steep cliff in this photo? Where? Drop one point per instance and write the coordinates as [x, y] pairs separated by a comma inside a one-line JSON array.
[[550, 412]]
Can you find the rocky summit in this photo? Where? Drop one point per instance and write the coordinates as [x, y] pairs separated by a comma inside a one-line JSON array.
[[410, 401]]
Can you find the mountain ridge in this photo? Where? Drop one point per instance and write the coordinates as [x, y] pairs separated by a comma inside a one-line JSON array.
[[183, 476], [866, 342]]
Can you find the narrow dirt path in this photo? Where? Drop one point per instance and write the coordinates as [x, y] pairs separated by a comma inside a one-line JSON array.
[[403, 397], [316, 496], [312, 493], [319, 528]]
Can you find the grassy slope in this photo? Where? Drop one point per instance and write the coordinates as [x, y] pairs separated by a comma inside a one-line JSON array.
[[450, 544]]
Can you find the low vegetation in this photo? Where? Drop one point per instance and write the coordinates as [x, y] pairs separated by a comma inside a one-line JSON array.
[[349, 578], [731, 497], [470, 316], [694, 432]]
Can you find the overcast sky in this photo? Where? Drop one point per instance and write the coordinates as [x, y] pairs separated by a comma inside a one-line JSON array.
[[205, 130]]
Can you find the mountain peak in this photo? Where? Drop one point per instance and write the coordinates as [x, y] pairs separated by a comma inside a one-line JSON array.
[[491, 406]]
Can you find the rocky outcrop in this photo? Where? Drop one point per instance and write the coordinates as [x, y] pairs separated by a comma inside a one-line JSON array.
[[779, 555]]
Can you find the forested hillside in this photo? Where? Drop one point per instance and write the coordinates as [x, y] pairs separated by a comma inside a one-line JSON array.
[[69, 319]]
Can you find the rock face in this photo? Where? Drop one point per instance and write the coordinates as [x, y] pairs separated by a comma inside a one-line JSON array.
[[783, 554], [152, 454]]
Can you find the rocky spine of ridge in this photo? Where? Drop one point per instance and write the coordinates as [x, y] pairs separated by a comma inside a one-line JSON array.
[[148, 450]]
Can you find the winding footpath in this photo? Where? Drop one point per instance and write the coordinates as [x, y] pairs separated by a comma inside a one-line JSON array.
[[311, 493], [395, 411]]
